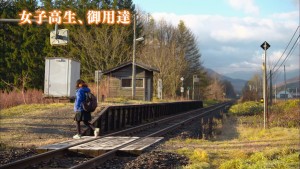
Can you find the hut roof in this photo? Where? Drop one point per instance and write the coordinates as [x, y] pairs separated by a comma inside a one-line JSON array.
[[143, 66]]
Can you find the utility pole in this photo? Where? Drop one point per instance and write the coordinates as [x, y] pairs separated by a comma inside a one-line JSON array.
[[285, 96], [265, 47], [275, 93], [271, 88], [133, 58]]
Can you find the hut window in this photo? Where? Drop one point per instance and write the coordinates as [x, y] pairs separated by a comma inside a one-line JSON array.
[[127, 82], [139, 83]]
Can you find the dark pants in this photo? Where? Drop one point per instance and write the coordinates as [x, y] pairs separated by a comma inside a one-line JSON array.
[[86, 123], [85, 117]]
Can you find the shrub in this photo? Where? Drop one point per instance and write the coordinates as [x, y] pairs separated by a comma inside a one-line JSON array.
[[247, 108], [199, 156], [14, 98]]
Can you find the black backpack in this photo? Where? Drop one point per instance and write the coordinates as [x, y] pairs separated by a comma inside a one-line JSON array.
[[90, 103]]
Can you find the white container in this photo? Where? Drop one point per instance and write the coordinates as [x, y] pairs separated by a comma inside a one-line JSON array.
[[61, 75]]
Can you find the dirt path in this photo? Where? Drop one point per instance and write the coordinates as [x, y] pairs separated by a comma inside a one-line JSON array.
[[36, 128]]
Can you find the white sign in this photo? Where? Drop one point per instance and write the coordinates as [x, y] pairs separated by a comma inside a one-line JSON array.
[[98, 74], [62, 37], [159, 89], [181, 89]]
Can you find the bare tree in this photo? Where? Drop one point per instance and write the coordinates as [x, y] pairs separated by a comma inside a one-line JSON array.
[[21, 87], [215, 90], [252, 91], [102, 47], [162, 51]]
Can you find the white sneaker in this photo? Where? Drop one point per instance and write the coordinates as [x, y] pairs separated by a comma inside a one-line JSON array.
[[96, 132], [77, 136]]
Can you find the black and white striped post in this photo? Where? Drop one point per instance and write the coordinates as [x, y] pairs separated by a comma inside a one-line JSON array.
[[265, 47]]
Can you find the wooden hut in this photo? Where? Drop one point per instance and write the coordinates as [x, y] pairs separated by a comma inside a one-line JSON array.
[[120, 81]]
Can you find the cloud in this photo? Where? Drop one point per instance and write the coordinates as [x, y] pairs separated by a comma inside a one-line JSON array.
[[229, 44], [295, 2], [291, 63], [225, 29], [247, 6], [245, 64]]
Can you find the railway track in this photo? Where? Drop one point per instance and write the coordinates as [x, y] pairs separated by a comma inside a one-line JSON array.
[[144, 131]]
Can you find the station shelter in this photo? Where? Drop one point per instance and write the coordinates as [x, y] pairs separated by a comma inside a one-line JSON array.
[[120, 81]]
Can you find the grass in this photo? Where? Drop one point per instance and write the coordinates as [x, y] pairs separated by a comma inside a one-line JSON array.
[[275, 133], [269, 158], [250, 147]]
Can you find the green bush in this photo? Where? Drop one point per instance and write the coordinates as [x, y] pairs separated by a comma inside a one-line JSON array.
[[247, 108], [207, 103]]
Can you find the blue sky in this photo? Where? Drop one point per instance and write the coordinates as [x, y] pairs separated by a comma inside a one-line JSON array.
[[230, 32], [220, 7]]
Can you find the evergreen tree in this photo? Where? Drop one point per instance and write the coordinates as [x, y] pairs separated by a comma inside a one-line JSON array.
[[22, 63], [228, 89], [188, 46]]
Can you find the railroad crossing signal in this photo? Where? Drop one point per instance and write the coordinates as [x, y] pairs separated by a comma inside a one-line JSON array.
[[262, 100], [265, 45]]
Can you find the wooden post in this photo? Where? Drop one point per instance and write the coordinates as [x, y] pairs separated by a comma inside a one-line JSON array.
[[201, 129]]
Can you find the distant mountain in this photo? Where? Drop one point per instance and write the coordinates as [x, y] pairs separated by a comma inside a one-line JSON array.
[[238, 84], [293, 83], [294, 74], [245, 75]]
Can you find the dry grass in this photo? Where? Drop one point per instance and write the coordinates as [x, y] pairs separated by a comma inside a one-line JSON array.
[[237, 143], [36, 124]]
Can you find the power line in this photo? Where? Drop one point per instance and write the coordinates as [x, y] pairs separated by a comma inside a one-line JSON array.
[[291, 51], [286, 47]]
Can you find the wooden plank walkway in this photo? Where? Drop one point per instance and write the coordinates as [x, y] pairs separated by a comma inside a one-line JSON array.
[[140, 146], [101, 145], [63, 144]]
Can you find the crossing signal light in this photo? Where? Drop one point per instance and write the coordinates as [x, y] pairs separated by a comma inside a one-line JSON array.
[[262, 100]]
